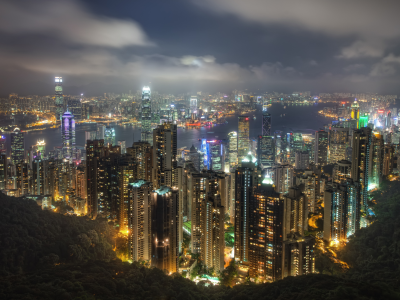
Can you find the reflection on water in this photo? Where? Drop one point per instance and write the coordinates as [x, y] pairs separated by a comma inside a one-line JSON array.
[[297, 118]]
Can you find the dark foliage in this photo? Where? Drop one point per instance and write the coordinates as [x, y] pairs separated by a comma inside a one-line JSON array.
[[31, 238]]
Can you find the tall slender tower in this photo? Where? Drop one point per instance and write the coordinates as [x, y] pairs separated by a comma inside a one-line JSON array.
[[68, 135], [146, 134], [233, 149], [59, 98], [266, 123], [193, 104], [243, 138], [17, 146]]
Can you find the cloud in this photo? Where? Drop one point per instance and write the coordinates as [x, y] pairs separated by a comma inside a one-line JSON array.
[[354, 67], [70, 21], [366, 18], [360, 49]]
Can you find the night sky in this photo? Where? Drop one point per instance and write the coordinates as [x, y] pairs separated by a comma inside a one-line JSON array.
[[178, 46]]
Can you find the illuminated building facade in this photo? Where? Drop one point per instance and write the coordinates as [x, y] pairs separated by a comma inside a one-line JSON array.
[[140, 220], [213, 232], [146, 134], [165, 229], [299, 256], [266, 123], [164, 155], [193, 105], [126, 175], [295, 211], [100, 131], [3, 171], [341, 171], [3, 146], [339, 140], [321, 148], [68, 135], [194, 157], [215, 155], [233, 149], [355, 112], [266, 151], [59, 102], [361, 164], [17, 146], [302, 160], [109, 136], [142, 153], [122, 144], [311, 182], [247, 177], [243, 138], [266, 233], [282, 177], [343, 211]]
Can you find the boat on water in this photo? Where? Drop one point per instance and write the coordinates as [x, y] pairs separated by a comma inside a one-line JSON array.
[[254, 118]]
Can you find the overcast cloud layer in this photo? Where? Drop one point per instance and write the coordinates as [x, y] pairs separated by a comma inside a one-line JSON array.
[[217, 45]]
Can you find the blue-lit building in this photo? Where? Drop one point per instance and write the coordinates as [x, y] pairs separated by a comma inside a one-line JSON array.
[[68, 135], [214, 154]]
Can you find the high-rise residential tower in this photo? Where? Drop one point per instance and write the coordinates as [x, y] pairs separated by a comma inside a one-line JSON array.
[[321, 148], [59, 102], [68, 135], [146, 134], [243, 138], [17, 146], [165, 229]]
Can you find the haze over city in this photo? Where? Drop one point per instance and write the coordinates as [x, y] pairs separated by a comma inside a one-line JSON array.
[[199, 149]]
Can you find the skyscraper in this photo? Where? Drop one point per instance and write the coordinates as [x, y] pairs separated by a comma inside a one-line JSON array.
[[164, 155], [361, 164], [146, 135], [165, 229], [142, 152], [233, 149], [355, 112], [193, 105], [282, 177], [100, 131], [17, 146], [140, 220], [265, 233], [3, 171], [338, 143], [266, 151], [212, 239], [94, 152], [321, 148], [266, 123], [377, 152], [109, 136], [3, 146], [194, 156], [247, 177], [59, 102], [215, 155], [122, 144], [243, 138], [68, 135]]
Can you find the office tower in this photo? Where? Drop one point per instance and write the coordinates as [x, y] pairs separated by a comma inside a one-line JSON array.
[[363, 122], [59, 102], [126, 175], [194, 156], [142, 153], [247, 177], [68, 135], [146, 135], [39, 176], [193, 105], [164, 155], [215, 155], [3, 171], [321, 148], [40, 148], [140, 220], [266, 233], [279, 147], [74, 105], [299, 256], [312, 186], [109, 136], [17, 146], [243, 138], [100, 131], [266, 151], [213, 232], [3, 145], [199, 186], [122, 144], [302, 160], [355, 112], [342, 211], [377, 152], [282, 177], [295, 211], [90, 135], [266, 123], [164, 229], [339, 140], [341, 171], [94, 151], [233, 149], [361, 164]]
